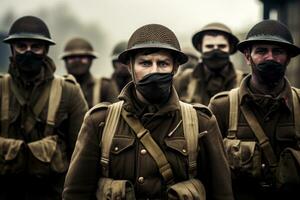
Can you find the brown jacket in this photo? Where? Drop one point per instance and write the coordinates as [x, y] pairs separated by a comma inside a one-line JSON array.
[[276, 118], [31, 178], [127, 162], [198, 85], [108, 90]]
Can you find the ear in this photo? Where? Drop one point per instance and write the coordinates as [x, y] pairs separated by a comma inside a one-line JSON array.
[[247, 54]]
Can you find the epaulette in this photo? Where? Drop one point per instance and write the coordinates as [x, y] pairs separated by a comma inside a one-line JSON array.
[[70, 78], [98, 107], [220, 95], [203, 109]]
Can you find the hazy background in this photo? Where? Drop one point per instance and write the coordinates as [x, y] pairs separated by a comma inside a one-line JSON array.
[[106, 22]]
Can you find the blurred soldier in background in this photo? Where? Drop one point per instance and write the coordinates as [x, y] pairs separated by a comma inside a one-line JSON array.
[[78, 56], [260, 120], [121, 75], [215, 73], [40, 117], [149, 145], [190, 64]]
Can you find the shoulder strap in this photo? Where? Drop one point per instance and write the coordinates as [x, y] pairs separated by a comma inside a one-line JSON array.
[[54, 101], [114, 112], [5, 104], [97, 90], [233, 112], [296, 110], [263, 140], [239, 77], [152, 147], [191, 130], [191, 90]]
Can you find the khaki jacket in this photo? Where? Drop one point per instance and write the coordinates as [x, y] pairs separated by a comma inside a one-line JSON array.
[[25, 175], [193, 85], [277, 122], [108, 91], [130, 161]]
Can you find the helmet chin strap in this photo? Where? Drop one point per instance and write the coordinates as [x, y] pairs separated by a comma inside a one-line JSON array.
[[131, 64]]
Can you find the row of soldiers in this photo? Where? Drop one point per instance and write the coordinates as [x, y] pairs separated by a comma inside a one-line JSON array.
[[156, 141]]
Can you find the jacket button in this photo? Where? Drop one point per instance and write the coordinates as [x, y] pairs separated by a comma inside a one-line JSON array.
[[141, 180], [184, 150], [143, 151], [116, 148]]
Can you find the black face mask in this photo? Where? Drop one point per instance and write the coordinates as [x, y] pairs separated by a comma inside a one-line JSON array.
[[215, 59], [29, 62], [269, 72], [155, 87], [78, 68]]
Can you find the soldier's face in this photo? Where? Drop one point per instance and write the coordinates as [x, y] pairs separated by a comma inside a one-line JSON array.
[[160, 61], [78, 65], [210, 43], [35, 46], [266, 52]]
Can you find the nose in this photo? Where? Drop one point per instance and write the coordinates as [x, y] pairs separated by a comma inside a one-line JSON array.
[[269, 55], [154, 68]]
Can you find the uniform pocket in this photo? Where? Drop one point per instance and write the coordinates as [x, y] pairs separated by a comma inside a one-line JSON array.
[[244, 157], [121, 144], [12, 156], [46, 156]]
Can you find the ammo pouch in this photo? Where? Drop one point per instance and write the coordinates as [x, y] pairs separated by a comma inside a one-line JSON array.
[[115, 190], [47, 155], [12, 156], [288, 170], [244, 157], [191, 189]]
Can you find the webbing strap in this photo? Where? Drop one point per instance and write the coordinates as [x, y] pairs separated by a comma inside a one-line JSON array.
[[239, 77], [114, 112], [296, 109], [263, 140], [191, 130], [5, 105], [152, 147], [191, 90], [97, 91], [233, 112], [54, 99]]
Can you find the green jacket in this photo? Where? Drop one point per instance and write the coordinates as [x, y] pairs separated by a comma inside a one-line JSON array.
[[130, 161], [38, 172]]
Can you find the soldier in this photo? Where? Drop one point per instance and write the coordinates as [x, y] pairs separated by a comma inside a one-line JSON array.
[[40, 116], [150, 144], [260, 120], [78, 56], [215, 73], [121, 75]]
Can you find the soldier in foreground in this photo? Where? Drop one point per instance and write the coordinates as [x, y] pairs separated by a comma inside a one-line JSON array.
[[215, 72], [149, 145], [40, 117], [260, 121], [121, 75], [78, 56]]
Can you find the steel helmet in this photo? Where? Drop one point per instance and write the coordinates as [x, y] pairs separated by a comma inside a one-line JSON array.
[[119, 48], [270, 31], [29, 27], [217, 27], [78, 47], [153, 36]]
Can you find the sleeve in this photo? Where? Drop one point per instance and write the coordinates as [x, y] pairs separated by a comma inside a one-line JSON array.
[[76, 111], [84, 171], [213, 169]]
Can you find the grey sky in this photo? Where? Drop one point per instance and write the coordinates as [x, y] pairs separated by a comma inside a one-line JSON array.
[[119, 18]]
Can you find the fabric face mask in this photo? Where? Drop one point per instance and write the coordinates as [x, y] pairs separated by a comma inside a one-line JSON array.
[[155, 87], [270, 72], [29, 62], [215, 59]]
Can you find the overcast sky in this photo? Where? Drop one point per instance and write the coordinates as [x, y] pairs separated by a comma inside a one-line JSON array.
[[119, 18]]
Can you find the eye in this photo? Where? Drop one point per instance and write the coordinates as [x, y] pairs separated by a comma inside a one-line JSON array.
[[209, 46], [163, 64], [145, 63], [260, 51], [222, 46], [279, 51], [21, 46]]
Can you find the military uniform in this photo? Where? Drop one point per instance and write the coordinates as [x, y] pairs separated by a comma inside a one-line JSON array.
[[22, 178], [200, 84], [129, 159], [107, 90]]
